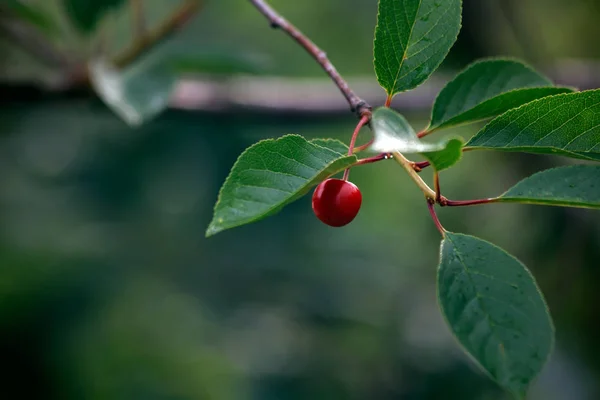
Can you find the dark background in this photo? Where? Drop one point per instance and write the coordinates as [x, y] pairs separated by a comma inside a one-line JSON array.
[[109, 290]]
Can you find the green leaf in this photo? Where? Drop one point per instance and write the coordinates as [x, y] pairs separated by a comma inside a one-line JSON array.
[[35, 17], [495, 309], [412, 39], [487, 89], [565, 124], [393, 133], [85, 14], [572, 186], [272, 174]]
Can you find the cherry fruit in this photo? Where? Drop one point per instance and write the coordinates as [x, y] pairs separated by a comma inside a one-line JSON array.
[[336, 202]]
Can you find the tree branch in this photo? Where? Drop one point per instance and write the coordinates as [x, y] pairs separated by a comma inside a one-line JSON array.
[[357, 105], [178, 19]]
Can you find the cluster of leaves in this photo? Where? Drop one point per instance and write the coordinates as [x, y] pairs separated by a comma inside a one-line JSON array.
[[488, 298], [134, 75]]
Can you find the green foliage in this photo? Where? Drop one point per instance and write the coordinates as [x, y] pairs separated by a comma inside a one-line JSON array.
[[37, 18], [273, 173], [412, 39], [487, 89], [393, 133], [566, 124], [495, 309], [572, 186], [490, 300], [85, 14]]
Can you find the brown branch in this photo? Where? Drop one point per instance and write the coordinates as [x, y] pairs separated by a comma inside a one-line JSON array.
[[177, 20], [357, 104]]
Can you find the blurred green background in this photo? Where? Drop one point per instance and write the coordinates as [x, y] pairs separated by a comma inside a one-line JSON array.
[[109, 290]]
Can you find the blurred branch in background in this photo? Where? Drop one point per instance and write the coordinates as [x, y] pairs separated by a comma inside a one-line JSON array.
[[318, 96], [146, 41]]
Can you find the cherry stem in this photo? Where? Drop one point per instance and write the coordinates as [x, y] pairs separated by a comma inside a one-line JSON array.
[[444, 202], [436, 220], [363, 147], [363, 121], [374, 159]]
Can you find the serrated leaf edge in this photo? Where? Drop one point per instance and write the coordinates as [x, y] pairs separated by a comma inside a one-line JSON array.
[[211, 230]]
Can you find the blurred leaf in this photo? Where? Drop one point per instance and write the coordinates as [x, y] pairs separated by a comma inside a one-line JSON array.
[[85, 14], [572, 186], [270, 175], [138, 93], [412, 38], [393, 133], [566, 124], [35, 17], [486, 89], [495, 309]]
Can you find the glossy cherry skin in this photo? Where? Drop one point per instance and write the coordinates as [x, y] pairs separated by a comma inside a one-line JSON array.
[[336, 202]]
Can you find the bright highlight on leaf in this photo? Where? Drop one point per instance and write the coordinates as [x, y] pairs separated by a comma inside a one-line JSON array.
[[572, 186], [566, 124], [487, 89], [393, 133], [412, 39], [273, 173], [495, 309]]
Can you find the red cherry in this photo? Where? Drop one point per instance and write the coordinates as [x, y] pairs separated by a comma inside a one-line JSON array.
[[336, 202]]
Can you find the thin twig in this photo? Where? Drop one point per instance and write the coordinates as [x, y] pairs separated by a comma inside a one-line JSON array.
[[444, 202], [436, 220], [363, 121], [374, 159], [357, 104], [409, 167], [419, 166], [177, 20], [363, 147], [436, 185]]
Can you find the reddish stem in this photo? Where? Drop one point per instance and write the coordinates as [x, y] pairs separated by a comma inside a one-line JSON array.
[[436, 220], [419, 166], [374, 159], [388, 101], [363, 121], [423, 133], [464, 203], [363, 147]]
